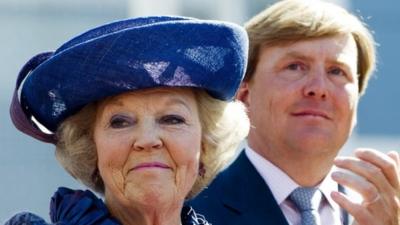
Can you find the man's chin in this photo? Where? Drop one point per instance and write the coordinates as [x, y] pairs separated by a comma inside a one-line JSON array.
[[316, 142]]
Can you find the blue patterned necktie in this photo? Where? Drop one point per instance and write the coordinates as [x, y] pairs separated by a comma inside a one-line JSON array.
[[307, 201]]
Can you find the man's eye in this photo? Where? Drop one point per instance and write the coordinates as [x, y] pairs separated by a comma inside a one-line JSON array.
[[120, 122], [337, 71], [172, 119]]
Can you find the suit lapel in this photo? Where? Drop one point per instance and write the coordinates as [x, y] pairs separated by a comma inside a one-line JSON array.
[[247, 193]]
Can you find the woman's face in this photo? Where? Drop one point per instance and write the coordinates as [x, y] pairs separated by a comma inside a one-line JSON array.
[[148, 145]]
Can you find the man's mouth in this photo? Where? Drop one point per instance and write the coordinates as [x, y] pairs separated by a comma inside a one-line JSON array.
[[312, 113]]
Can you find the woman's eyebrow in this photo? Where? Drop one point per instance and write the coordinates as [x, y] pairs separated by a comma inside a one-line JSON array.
[[177, 101]]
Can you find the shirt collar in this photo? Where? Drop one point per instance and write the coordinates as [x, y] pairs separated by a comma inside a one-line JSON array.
[[281, 185], [327, 186]]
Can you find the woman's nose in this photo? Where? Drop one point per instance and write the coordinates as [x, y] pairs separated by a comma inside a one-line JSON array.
[[147, 138]]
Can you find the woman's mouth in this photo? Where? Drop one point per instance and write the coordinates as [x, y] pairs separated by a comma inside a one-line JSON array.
[[150, 165]]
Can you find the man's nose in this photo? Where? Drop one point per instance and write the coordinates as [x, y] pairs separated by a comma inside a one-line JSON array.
[[316, 84], [147, 137]]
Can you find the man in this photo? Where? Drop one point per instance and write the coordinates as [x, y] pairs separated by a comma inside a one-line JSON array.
[[309, 64]]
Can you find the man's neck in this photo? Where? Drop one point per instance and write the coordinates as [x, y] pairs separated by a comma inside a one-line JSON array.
[[306, 169]]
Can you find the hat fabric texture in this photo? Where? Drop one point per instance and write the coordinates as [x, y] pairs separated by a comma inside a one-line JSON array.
[[129, 55]]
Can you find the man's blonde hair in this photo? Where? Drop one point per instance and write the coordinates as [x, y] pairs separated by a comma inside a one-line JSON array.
[[289, 21]]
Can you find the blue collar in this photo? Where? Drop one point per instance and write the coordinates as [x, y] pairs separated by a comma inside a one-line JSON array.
[[79, 207], [83, 207]]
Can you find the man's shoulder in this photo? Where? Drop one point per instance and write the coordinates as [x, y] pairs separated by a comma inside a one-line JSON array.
[[214, 201], [210, 194], [238, 195], [224, 183], [209, 203]]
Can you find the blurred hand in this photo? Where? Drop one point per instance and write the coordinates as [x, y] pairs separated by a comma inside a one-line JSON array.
[[376, 177]]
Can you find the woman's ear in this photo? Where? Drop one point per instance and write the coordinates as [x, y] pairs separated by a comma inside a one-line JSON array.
[[202, 169]]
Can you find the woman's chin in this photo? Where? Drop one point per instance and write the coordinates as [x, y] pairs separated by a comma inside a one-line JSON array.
[[152, 195]]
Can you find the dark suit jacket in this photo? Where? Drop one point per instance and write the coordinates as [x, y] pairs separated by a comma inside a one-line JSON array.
[[239, 196]]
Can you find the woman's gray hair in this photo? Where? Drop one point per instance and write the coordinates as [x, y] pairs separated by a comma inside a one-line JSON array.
[[224, 126]]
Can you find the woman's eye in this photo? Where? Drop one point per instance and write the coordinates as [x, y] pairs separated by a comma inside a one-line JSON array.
[[172, 119], [120, 122], [295, 66]]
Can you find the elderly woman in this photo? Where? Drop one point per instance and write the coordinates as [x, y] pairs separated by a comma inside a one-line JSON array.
[[140, 112]]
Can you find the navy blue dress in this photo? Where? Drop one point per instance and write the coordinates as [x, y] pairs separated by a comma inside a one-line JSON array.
[[76, 207]]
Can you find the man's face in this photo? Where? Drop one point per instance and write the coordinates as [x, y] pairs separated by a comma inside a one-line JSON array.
[[303, 97]]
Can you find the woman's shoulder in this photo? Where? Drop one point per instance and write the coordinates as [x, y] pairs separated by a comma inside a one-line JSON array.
[[26, 218], [69, 206]]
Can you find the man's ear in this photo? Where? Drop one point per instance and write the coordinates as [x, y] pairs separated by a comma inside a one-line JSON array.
[[243, 93]]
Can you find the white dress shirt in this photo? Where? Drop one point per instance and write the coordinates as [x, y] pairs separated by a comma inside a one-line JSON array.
[[282, 185]]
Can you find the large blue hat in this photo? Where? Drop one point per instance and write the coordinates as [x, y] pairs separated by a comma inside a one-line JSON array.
[[124, 56]]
